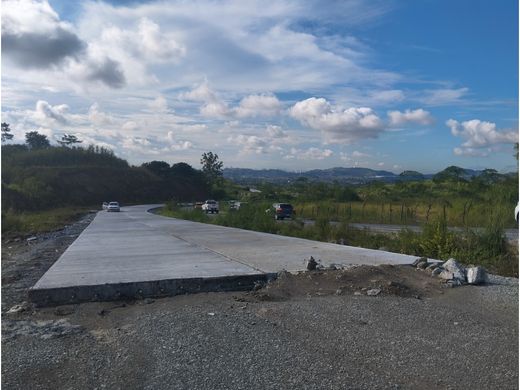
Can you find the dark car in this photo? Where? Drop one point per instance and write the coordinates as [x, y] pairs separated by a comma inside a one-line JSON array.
[[283, 210]]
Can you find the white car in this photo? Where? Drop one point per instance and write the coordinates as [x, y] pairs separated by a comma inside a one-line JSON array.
[[516, 211], [105, 205], [113, 206], [210, 206]]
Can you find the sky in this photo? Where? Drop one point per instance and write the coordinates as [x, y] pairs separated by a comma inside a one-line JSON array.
[[290, 84]]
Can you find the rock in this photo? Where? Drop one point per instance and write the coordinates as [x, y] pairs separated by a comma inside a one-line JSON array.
[[419, 260], [311, 264], [422, 265], [476, 275], [374, 292], [24, 306], [436, 271], [358, 293], [447, 275], [456, 269], [32, 238], [432, 266], [339, 291], [63, 311], [257, 286], [332, 267]]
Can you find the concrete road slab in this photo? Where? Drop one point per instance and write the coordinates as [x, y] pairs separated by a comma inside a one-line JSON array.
[[135, 253]]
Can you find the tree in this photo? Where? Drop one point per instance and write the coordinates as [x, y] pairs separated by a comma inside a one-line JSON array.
[[211, 166], [6, 132], [160, 168], [68, 139], [35, 140]]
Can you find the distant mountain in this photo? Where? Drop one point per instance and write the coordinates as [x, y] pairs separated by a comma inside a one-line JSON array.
[[340, 174], [345, 175]]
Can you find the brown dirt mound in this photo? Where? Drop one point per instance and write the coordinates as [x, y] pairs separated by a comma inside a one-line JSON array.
[[402, 281]]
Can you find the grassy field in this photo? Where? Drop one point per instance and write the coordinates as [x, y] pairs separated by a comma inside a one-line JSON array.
[[460, 213]]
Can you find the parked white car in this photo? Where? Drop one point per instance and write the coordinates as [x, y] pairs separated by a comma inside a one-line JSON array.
[[105, 205], [113, 206], [210, 206]]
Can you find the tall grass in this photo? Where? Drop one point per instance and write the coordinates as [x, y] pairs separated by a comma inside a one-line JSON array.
[[37, 222], [487, 247]]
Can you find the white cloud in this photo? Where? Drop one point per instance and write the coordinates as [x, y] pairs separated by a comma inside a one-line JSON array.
[[45, 113], [479, 136], [97, 117], [337, 125], [274, 131], [153, 43], [418, 116], [357, 154], [439, 97], [311, 153], [387, 96], [159, 104], [258, 105]]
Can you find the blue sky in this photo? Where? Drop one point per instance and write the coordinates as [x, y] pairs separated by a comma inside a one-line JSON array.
[[394, 85]]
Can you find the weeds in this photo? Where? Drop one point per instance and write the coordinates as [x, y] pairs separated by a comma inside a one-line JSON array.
[[487, 247]]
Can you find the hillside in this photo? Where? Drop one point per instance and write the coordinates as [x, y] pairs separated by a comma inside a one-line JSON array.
[[58, 176]]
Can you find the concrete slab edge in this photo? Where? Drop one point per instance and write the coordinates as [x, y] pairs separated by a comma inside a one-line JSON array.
[[44, 297]]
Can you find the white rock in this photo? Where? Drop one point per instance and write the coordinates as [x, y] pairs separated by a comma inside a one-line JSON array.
[[456, 269], [447, 275], [476, 275], [374, 291]]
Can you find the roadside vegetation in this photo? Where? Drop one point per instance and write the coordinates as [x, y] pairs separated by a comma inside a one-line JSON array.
[[44, 187], [487, 247]]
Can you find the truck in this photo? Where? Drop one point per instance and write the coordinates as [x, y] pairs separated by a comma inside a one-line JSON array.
[[210, 206]]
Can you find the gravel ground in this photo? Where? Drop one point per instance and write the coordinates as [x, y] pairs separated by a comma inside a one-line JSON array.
[[306, 338]]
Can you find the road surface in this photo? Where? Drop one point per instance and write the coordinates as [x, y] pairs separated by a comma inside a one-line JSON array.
[[137, 253]]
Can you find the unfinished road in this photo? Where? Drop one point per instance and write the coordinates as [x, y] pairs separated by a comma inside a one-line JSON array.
[[137, 254]]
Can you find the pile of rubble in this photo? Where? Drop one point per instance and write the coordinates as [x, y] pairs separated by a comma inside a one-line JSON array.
[[453, 273]]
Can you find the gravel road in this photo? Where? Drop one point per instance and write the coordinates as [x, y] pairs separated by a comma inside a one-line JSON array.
[[458, 338]]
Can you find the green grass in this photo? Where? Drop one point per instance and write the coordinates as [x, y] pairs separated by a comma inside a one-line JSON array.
[[27, 223], [488, 248]]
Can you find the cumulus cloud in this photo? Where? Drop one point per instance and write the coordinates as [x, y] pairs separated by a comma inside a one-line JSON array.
[[258, 105], [418, 116], [98, 117], [34, 37], [479, 136], [108, 72], [337, 125], [274, 131], [44, 112], [155, 44]]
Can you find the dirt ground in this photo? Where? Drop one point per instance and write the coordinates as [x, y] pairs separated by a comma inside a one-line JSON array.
[[359, 328]]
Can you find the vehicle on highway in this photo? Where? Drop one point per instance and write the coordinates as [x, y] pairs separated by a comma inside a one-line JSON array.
[[198, 205], [105, 205], [235, 204], [210, 206], [517, 209], [113, 206], [283, 210]]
